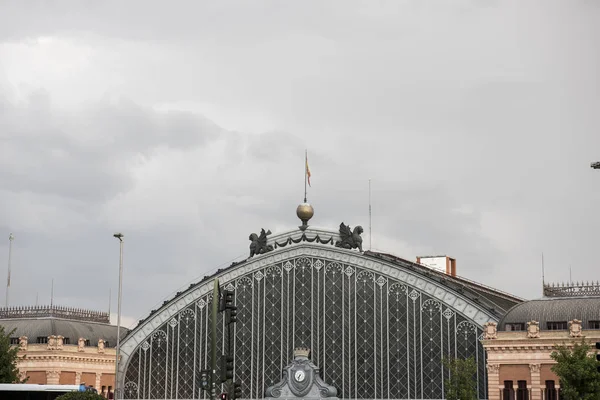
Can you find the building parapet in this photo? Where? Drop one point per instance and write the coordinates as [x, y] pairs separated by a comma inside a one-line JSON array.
[[573, 289], [78, 314]]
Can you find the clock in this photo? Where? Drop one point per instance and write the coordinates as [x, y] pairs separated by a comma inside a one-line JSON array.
[[299, 375]]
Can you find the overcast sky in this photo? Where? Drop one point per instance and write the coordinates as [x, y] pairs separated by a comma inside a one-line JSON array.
[[184, 124]]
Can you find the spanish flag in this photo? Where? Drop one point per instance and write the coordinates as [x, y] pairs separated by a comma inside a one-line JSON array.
[[307, 170]]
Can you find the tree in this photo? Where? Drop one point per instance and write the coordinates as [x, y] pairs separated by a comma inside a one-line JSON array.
[[80, 396], [462, 383], [577, 370], [9, 373]]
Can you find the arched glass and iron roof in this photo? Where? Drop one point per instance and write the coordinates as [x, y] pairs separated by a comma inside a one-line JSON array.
[[377, 326]]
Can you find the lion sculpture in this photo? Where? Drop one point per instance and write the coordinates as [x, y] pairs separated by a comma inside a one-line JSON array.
[[259, 244], [350, 239]]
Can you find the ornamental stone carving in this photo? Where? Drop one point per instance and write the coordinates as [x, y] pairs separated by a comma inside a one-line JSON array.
[[301, 379], [101, 346], [55, 342], [258, 243], [98, 379], [534, 368], [533, 329], [80, 344], [575, 328], [51, 342], [23, 343], [490, 330], [53, 377], [22, 375], [493, 369], [77, 377], [350, 239]]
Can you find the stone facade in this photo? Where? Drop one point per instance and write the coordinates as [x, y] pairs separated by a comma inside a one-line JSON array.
[[514, 356], [56, 363]]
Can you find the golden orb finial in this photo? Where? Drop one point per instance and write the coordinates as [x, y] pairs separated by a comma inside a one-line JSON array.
[[305, 212]]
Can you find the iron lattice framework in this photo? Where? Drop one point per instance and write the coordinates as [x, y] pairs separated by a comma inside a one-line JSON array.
[[372, 336]]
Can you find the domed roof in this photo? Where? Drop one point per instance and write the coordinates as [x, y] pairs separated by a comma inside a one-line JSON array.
[[72, 329], [557, 309]]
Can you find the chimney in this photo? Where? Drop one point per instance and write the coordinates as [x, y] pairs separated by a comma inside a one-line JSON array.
[[443, 264]]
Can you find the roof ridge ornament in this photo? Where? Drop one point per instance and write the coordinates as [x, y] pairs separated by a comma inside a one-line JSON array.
[[305, 212], [259, 244], [350, 238]]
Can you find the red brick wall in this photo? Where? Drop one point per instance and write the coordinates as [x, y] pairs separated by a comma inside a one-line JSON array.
[[546, 374], [107, 380], [89, 379], [67, 378], [37, 377], [515, 373]]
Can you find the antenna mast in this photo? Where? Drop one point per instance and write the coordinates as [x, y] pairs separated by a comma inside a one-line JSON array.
[[543, 279], [52, 294], [570, 279], [370, 224], [11, 237]]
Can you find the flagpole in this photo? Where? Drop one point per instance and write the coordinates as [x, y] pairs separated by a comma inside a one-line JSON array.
[[305, 171]]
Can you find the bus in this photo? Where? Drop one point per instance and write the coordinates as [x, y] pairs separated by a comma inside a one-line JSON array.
[[26, 391]]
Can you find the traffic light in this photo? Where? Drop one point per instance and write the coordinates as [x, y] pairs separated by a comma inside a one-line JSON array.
[[231, 316], [237, 391], [227, 300], [598, 355], [226, 368], [224, 396], [205, 383]]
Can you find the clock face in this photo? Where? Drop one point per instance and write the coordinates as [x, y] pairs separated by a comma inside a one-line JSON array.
[[299, 375]]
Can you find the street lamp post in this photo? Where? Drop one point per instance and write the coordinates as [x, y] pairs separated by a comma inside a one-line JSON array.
[[120, 237], [596, 165]]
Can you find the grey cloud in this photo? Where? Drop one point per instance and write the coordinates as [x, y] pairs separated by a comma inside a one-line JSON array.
[[84, 156], [477, 122]]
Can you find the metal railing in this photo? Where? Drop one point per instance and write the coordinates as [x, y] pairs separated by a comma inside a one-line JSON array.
[[54, 311]]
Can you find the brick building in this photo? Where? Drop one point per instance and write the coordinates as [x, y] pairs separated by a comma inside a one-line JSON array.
[[60, 345], [518, 348]]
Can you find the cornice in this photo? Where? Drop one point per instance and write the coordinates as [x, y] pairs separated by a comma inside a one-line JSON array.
[[66, 357], [33, 348], [590, 334], [517, 339], [524, 348]]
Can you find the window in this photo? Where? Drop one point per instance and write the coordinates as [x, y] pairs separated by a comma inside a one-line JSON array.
[[557, 326], [508, 392], [514, 326], [14, 340], [66, 340], [106, 344], [522, 393], [87, 342], [594, 325], [42, 339], [550, 391]]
